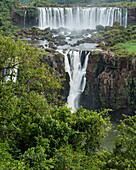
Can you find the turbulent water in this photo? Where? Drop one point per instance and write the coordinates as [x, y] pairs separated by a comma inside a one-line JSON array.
[[76, 19], [80, 17], [75, 66]]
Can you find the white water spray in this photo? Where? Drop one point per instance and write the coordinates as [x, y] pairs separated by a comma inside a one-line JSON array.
[[80, 17], [76, 72], [25, 18]]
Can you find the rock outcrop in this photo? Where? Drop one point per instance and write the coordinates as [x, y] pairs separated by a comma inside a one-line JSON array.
[[27, 15], [111, 83], [132, 16], [55, 61]]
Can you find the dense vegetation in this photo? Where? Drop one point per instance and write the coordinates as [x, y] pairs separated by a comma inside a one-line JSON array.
[[129, 46], [6, 6], [117, 3], [115, 38], [36, 134], [76, 1]]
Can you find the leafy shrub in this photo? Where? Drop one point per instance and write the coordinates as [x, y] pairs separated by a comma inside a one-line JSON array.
[[99, 28]]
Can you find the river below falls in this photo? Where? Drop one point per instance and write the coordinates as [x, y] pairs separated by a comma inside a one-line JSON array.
[[109, 141]]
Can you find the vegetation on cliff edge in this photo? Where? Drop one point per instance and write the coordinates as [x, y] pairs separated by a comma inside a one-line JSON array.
[[36, 134]]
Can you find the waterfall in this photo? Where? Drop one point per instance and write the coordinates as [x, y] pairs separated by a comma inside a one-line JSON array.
[[75, 66], [80, 17], [12, 74], [25, 18]]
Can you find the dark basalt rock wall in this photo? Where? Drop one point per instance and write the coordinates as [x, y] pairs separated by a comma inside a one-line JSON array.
[[111, 83], [55, 60], [18, 17], [132, 16]]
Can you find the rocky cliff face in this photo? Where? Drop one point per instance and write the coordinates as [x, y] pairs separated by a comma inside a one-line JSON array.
[[24, 17], [55, 61], [132, 16], [111, 83]]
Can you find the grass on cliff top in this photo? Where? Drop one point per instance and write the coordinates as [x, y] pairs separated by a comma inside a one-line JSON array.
[[129, 46]]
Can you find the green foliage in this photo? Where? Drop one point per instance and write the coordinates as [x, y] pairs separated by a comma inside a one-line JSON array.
[[117, 39], [66, 158], [35, 158], [6, 24], [99, 28], [37, 134], [123, 155], [129, 46], [87, 126], [130, 4], [26, 96], [32, 128], [116, 3], [7, 161], [5, 157]]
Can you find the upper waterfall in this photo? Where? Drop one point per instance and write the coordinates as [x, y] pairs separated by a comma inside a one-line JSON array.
[[80, 17]]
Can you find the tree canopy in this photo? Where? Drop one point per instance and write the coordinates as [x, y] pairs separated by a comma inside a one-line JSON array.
[[31, 123], [35, 133]]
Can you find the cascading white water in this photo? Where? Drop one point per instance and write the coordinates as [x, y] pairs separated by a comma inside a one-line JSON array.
[[12, 74], [25, 18], [80, 17], [76, 72]]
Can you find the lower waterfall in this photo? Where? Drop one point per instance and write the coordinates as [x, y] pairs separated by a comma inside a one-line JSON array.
[[75, 66]]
